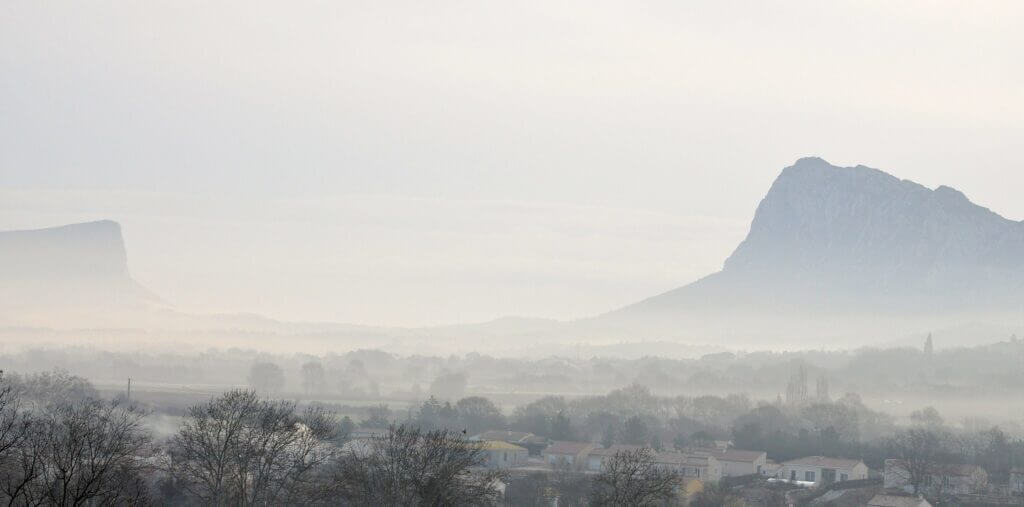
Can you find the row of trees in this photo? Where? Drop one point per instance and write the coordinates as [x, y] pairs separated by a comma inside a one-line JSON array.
[[900, 372], [629, 478], [60, 444], [845, 427], [355, 380], [925, 453], [635, 416], [240, 449]]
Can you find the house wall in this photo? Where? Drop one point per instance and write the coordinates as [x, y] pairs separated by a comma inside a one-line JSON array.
[[801, 473], [895, 477], [562, 460], [738, 468], [858, 472], [1017, 483], [712, 472], [968, 485], [505, 458]]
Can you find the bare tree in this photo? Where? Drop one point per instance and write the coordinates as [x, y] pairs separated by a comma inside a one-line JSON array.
[[266, 378], [51, 388], [313, 378], [13, 423], [379, 417], [449, 386], [15, 430], [631, 478], [241, 450], [479, 414], [59, 445], [408, 467], [87, 452], [915, 450], [714, 495]]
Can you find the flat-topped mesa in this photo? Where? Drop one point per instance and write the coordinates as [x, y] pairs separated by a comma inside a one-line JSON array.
[[86, 250], [69, 275]]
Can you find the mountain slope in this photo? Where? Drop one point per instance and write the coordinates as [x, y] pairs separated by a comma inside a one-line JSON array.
[[850, 244], [78, 268]]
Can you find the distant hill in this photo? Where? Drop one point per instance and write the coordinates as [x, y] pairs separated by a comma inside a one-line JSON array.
[[835, 257], [847, 250], [75, 269]]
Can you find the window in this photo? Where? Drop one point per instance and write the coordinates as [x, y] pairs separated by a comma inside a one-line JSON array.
[[792, 475], [697, 471], [844, 477], [809, 476]]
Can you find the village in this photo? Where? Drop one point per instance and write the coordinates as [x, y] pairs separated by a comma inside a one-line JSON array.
[[751, 478]]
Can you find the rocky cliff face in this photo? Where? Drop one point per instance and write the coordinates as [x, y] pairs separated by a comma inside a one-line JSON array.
[[80, 266], [857, 222], [853, 242], [90, 250]]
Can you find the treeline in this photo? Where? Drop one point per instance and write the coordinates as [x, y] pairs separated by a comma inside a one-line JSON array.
[[634, 415], [844, 427], [60, 444], [372, 374]]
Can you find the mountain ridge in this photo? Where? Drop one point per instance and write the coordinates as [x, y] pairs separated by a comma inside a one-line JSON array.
[[833, 254], [854, 242]]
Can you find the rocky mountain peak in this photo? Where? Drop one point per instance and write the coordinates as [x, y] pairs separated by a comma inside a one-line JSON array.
[[818, 218]]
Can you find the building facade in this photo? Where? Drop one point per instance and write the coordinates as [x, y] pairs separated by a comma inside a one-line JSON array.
[[941, 479], [504, 455], [738, 462], [822, 470], [567, 455]]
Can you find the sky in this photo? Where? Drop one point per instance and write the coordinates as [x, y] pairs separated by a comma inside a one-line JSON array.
[[421, 163]]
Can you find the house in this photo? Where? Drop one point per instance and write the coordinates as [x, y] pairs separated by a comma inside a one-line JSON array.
[[893, 500], [722, 444], [531, 442], [691, 465], [597, 457], [503, 454], [737, 462], [771, 469], [823, 470], [1017, 481], [511, 437], [948, 478], [572, 455]]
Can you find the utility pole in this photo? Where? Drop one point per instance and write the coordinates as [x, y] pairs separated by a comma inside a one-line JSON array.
[[129, 390]]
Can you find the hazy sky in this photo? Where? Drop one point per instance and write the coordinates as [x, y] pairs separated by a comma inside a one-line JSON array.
[[433, 162]]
